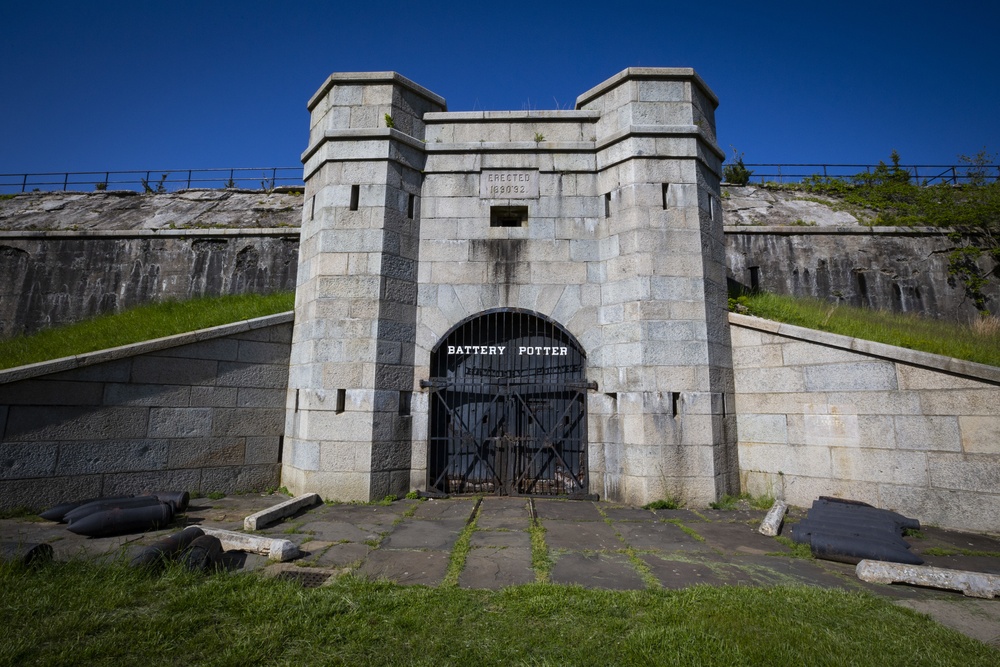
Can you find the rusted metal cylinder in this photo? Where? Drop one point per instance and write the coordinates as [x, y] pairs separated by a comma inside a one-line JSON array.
[[103, 504], [59, 512], [179, 499], [204, 554], [119, 521], [166, 548], [25, 553]]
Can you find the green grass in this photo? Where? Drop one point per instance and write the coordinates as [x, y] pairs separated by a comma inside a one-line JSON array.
[[82, 614], [139, 324], [978, 341]]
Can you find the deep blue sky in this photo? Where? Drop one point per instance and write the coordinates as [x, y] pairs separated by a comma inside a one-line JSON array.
[[182, 84]]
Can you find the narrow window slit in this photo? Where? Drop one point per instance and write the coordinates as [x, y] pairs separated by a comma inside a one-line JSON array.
[[341, 400], [355, 196]]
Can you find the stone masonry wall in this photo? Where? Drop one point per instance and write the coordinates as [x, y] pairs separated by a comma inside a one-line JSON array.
[[821, 414], [887, 268], [49, 278], [202, 411]]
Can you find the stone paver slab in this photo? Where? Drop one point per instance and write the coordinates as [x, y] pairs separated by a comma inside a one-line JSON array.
[[418, 534], [628, 514], [677, 574], [336, 531], [580, 535], [659, 536], [783, 571], [497, 568], [425, 568], [503, 523], [979, 619], [568, 510], [341, 555], [494, 538], [737, 538], [686, 516], [596, 570], [460, 508], [365, 517]]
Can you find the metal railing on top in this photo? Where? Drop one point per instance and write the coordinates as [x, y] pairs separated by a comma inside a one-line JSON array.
[[154, 180], [922, 174]]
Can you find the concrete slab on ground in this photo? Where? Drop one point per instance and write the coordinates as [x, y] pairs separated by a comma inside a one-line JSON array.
[[580, 535], [566, 510], [418, 534], [497, 567], [596, 570], [426, 568]]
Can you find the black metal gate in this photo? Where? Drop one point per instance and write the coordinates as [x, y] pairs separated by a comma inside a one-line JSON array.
[[508, 408]]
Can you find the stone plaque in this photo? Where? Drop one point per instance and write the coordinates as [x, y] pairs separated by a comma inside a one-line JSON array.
[[508, 185]]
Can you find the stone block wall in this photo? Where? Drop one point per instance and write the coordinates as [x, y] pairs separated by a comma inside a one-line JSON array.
[[196, 412], [821, 414], [889, 268], [48, 278]]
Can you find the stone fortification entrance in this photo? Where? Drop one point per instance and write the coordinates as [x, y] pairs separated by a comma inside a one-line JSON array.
[[508, 408], [585, 243]]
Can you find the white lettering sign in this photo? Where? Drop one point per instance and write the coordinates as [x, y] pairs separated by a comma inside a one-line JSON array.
[[523, 350], [543, 351], [491, 350]]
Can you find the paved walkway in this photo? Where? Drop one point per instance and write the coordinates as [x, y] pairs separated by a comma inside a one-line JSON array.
[[591, 544]]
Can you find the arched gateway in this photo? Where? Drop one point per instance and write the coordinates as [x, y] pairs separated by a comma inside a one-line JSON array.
[[508, 407]]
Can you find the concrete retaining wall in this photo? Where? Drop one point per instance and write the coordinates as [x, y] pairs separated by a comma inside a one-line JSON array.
[[821, 414], [890, 268], [196, 412], [57, 277]]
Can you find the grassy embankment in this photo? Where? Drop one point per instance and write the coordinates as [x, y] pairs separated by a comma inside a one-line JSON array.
[[978, 341], [82, 614], [139, 324]]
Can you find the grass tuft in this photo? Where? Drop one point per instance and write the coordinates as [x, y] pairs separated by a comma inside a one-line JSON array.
[[670, 503], [139, 324], [461, 550], [541, 561]]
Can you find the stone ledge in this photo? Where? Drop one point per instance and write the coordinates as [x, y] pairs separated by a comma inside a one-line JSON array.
[[372, 78], [857, 230], [552, 115], [150, 233], [136, 349], [901, 355]]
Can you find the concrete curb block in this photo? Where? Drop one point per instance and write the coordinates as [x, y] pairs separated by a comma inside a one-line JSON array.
[[274, 549], [771, 525], [278, 512], [972, 584]]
